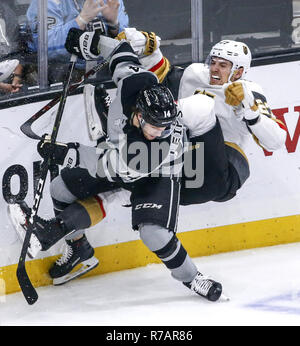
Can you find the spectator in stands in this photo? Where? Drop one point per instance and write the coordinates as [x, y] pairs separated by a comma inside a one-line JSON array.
[[10, 67], [63, 15]]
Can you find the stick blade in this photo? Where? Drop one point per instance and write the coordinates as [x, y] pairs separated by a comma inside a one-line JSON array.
[[27, 288], [26, 129]]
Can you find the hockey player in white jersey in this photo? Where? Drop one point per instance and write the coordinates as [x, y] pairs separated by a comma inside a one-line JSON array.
[[145, 112], [241, 111]]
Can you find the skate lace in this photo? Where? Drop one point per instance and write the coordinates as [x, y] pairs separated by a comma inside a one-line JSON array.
[[65, 256], [201, 284], [107, 101]]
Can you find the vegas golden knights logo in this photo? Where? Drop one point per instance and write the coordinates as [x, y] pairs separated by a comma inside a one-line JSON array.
[[245, 49]]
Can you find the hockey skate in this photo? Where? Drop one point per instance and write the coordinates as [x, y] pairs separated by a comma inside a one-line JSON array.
[[19, 217], [77, 253], [45, 233], [7, 67], [96, 101], [205, 287]]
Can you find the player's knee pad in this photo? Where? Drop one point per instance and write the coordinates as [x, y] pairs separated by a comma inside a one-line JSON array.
[[83, 213], [61, 196], [60, 192]]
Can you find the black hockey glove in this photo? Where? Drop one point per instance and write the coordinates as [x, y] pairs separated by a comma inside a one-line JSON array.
[[84, 44], [56, 151]]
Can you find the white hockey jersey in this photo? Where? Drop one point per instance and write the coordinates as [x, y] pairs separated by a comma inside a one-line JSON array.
[[267, 131]]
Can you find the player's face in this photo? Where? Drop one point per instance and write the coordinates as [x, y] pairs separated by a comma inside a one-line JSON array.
[[220, 70], [150, 131]]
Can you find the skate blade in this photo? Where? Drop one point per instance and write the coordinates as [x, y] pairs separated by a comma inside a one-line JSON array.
[[224, 298], [87, 266], [18, 218]]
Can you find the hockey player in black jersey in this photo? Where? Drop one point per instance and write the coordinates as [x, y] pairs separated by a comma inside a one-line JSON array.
[[144, 112]]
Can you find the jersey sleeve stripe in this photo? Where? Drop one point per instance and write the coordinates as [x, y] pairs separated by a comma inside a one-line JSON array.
[[123, 53]]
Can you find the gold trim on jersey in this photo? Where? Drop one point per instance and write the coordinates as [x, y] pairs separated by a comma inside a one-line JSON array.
[[162, 71], [236, 147], [204, 92]]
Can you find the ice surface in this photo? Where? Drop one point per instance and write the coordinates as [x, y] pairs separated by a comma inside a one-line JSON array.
[[263, 284]]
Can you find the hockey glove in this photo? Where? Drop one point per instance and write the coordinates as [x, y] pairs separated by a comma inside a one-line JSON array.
[[56, 151], [237, 92], [239, 96], [84, 44], [141, 42], [146, 46]]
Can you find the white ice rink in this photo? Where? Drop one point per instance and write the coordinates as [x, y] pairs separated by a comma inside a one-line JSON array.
[[263, 284]]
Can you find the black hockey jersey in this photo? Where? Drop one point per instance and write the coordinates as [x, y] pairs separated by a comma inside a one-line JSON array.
[[128, 155]]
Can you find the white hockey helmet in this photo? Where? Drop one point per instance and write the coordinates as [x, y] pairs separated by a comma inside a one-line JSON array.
[[236, 52]]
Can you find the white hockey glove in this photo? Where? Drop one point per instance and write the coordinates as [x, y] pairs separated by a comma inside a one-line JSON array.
[[238, 95], [143, 43], [146, 46]]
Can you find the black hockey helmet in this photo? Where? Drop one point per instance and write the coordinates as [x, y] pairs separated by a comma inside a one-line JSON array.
[[157, 105]]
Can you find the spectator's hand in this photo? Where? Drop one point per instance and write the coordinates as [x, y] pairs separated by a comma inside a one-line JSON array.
[[16, 82], [90, 10], [110, 10], [10, 88], [16, 86]]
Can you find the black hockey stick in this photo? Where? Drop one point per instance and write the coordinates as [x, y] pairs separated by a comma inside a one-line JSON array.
[[27, 288], [26, 128]]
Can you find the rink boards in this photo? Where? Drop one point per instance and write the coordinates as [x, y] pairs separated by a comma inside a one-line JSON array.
[[265, 212]]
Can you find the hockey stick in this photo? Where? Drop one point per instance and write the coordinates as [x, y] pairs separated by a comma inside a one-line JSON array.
[[27, 288], [26, 128]]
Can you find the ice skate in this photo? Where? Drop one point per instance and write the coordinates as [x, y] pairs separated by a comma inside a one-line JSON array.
[[78, 253], [19, 214], [96, 101], [7, 67], [45, 232], [205, 287]]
